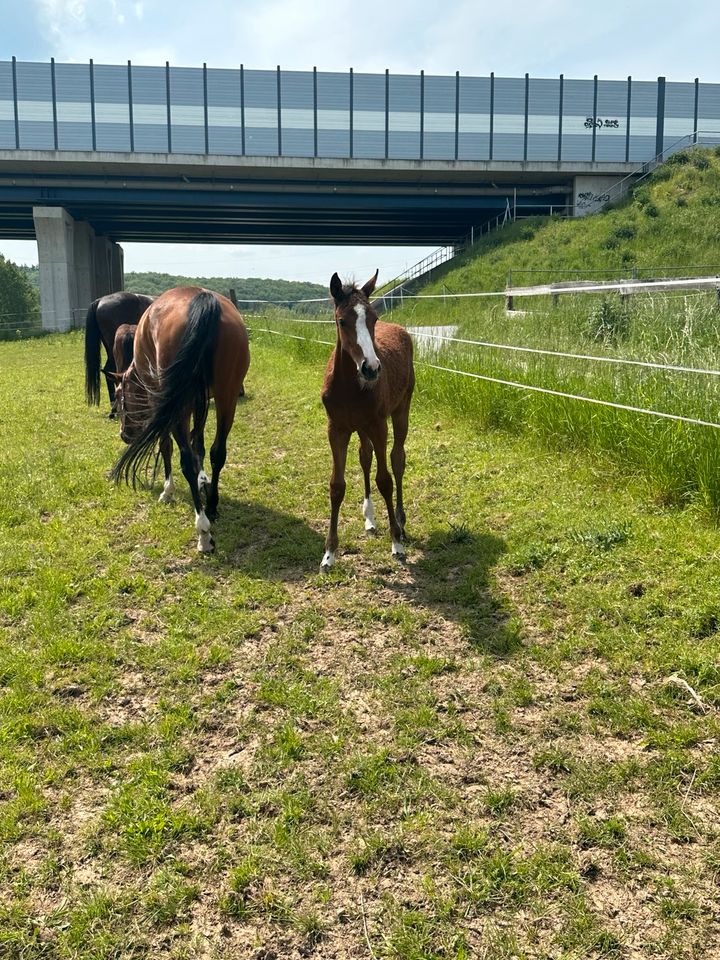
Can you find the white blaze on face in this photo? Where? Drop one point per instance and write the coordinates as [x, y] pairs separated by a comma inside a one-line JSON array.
[[364, 339]]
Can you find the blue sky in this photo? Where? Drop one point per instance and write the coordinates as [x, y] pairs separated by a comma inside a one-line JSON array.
[[613, 39]]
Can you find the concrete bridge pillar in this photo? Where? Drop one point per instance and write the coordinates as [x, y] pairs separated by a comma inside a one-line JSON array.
[[76, 267], [54, 229]]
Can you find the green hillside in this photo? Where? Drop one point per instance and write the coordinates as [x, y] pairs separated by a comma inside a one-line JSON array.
[[506, 377], [671, 221]]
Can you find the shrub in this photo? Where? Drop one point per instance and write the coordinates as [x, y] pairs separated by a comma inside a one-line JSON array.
[[700, 161], [678, 159], [624, 232], [608, 321], [650, 210]]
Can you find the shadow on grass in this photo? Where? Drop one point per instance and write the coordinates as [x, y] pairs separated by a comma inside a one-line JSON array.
[[454, 576], [267, 543]]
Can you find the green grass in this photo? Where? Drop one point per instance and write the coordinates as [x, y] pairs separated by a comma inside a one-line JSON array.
[[476, 753], [680, 462]]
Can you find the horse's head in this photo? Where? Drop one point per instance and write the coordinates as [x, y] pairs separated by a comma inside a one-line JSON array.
[[355, 320], [130, 404]]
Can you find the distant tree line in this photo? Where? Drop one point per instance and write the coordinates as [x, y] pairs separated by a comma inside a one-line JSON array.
[[19, 302], [248, 288]]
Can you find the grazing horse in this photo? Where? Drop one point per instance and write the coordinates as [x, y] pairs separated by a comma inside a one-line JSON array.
[[103, 318], [122, 352], [190, 345], [369, 378], [123, 347]]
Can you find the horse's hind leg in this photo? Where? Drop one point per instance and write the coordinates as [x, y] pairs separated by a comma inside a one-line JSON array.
[[189, 464], [197, 441], [383, 479], [366, 454], [400, 419], [169, 486]]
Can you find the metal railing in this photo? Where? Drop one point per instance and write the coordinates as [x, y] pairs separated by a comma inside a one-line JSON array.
[[698, 138], [398, 287]]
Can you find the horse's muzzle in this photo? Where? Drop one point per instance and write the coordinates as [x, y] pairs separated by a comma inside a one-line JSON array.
[[369, 373]]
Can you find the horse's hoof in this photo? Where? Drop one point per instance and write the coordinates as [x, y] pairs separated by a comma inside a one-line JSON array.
[[398, 550], [327, 562]]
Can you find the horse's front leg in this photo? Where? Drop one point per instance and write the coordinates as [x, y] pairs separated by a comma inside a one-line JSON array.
[[166, 453], [339, 440], [110, 370], [366, 454], [190, 469], [378, 437]]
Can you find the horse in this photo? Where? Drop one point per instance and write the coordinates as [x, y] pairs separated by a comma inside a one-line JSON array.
[[122, 353], [123, 346], [190, 344], [103, 318], [369, 377]]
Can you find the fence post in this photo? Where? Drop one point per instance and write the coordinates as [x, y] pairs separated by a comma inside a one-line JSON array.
[[232, 297]]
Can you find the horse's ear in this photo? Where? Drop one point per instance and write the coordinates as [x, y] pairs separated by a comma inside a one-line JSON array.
[[368, 287], [336, 288]]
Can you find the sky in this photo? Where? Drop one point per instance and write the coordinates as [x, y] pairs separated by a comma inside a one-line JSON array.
[[541, 37]]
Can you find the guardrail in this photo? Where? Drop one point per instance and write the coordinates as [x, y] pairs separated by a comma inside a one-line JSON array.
[[624, 287]]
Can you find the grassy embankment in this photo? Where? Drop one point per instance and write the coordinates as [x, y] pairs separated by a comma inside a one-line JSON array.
[[485, 752], [673, 221]]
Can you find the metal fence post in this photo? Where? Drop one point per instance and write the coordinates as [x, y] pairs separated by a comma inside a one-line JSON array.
[[242, 109], [15, 104], [169, 112], [130, 109], [54, 101], [205, 105], [92, 105], [279, 112]]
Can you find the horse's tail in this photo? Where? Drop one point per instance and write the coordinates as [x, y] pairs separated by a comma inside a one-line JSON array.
[[92, 356], [184, 385]]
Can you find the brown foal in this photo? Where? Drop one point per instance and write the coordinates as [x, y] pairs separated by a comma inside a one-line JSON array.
[[369, 378]]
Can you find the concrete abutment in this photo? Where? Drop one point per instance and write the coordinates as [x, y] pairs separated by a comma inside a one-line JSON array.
[[76, 267]]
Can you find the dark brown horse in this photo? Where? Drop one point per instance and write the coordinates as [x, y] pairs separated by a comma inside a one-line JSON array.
[[124, 346], [369, 378], [190, 345], [103, 318]]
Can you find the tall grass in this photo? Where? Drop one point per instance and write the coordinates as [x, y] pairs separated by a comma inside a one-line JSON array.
[[680, 461]]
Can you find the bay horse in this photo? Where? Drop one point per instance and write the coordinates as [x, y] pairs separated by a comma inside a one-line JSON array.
[[103, 318], [190, 345], [369, 377], [122, 352]]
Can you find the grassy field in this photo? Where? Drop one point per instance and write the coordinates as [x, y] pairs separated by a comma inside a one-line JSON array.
[[504, 748]]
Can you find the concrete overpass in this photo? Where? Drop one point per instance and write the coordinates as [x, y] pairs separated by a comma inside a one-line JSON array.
[[93, 155], [81, 206]]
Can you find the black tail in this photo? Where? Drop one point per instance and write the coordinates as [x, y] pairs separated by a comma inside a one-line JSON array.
[[92, 356], [184, 385]]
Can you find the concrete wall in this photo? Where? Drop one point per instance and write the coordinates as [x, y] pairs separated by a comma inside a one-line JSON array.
[[590, 194], [76, 267]]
